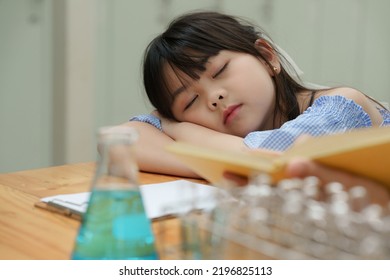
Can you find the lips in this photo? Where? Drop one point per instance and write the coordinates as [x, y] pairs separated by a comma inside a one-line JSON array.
[[230, 113]]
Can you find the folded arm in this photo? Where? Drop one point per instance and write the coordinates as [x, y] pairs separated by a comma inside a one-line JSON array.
[[154, 136], [199, 135], [151, 154]]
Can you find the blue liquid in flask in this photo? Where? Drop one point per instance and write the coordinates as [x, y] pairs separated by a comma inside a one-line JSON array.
[[115, 226]]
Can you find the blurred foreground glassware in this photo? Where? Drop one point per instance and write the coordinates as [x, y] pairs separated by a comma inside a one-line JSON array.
[[294, 219], [115, 225]]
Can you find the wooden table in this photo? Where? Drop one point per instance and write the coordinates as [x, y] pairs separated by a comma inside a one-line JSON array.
[[28, 232]]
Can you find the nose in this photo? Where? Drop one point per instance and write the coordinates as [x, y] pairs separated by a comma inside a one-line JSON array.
[[215, 101]]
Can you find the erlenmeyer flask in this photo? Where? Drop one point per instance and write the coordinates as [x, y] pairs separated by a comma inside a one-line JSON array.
[[115, 225]]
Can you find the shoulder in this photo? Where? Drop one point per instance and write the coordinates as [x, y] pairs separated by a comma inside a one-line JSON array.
[[358, 98], [347, 92], [352, 94], [336, 99]]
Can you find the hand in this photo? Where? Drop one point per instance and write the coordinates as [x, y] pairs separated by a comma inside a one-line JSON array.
[[301, 168]]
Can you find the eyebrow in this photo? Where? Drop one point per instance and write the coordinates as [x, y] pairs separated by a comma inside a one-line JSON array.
[[178, 91]]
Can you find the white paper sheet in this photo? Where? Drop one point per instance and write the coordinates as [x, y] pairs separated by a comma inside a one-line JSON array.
[[159, 199]]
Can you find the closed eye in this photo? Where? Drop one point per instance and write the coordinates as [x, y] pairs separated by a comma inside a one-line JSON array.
[[220, 70], [191, 102]]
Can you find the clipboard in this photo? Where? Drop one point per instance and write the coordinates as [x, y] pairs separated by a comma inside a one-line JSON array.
[[160, 200], [71, 205]]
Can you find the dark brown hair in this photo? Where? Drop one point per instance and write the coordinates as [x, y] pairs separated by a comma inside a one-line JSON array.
[[192, 39]]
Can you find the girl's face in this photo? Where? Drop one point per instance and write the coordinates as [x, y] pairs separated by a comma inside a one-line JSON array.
[[234, 95]]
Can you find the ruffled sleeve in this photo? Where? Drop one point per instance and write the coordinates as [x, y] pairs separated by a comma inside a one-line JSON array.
[[328, 114], [148, 118], [386, 117]]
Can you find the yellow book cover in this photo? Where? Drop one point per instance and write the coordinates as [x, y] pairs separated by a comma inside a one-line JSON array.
[[365, 152]]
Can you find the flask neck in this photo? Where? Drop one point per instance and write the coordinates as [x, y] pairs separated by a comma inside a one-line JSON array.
[[116, 167]]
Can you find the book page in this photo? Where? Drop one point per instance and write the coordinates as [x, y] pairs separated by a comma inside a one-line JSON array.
[[210, 164], [365, 152]]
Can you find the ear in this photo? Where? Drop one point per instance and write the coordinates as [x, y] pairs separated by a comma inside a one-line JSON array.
[[272, 62]]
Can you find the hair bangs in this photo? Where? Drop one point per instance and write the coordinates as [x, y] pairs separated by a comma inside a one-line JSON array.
[[188, 57]]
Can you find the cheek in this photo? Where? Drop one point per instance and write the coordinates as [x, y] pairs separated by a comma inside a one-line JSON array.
[[177, 108], [254, 78], [264, 86], [176, 114], [192, 115], [195, 115]]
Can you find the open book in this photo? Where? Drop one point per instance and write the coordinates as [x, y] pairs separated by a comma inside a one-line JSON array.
[[365, 152]]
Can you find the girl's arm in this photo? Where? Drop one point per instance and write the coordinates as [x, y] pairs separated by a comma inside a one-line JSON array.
[[199, 135], [150, 147], [151, 154]]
